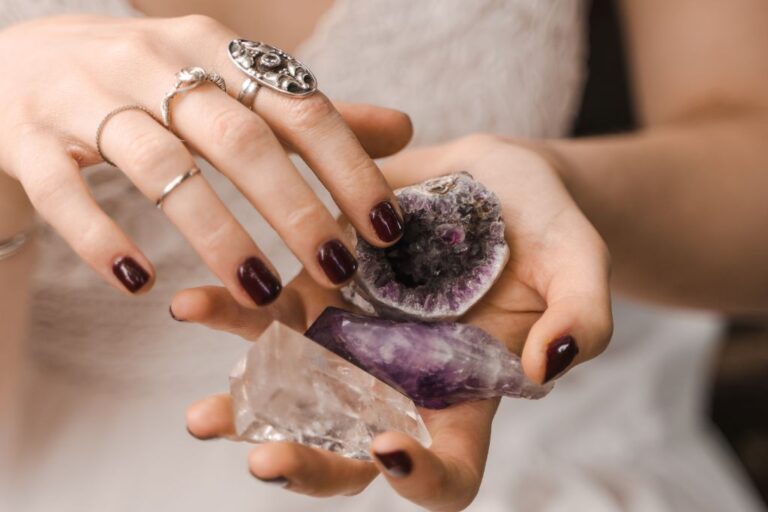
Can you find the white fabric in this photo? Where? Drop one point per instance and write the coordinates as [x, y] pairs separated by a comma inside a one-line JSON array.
[[110, 376]]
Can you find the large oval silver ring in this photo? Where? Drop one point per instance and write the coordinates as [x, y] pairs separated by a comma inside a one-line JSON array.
[[186, 80], [272, 67]]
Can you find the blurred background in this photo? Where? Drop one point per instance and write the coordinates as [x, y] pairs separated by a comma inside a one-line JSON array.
[[739, 385]]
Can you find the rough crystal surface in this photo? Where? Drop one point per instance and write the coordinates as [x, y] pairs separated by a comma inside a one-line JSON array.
[[452, 251], [436, 364], [288, 388]]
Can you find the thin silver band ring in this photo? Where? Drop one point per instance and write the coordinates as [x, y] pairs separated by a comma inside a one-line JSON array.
[[107, 118], [13, 245], [173, 184], [248, 92]]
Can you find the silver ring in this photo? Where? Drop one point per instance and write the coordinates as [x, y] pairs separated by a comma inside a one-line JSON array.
[[13, 245], [272, 67], [173, 184], [103, 123], [186, 80], [248, 92]]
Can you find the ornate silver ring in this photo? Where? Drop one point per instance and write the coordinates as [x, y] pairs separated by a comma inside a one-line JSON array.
[[248, 92], [186, 80], [175, 183], [272, 67]]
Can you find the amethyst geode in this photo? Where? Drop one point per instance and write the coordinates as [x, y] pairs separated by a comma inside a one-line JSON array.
[[434, 364], [452, 251]]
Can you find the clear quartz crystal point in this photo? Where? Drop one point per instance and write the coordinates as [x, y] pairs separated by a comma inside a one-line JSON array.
[[289, 388]]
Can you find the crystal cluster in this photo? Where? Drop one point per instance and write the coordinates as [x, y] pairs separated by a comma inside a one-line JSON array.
[[435, 364], [451, 253], [288, 388]]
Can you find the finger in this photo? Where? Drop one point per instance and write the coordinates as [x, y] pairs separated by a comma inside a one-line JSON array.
[[214, 307], [381, 131], [152, 157], [446, 476], [54, 184], [417, 165], [211, 417], [577, 323], [242, 146], [315, 129], [310, 471]]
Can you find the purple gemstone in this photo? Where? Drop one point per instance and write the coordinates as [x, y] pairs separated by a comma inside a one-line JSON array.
[[452, 251], [435, 364]]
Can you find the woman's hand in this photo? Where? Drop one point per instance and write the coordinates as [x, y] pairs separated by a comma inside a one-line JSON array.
[[552, 303], [65, 74], [446, 476]]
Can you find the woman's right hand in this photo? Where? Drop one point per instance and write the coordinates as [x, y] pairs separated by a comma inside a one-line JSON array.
[[65, 74]]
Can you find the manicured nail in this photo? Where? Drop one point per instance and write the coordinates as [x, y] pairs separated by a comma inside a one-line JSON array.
[[258, 281], [200, 438], [170, 311], [130, 273], [397, 464], [337, 262], [560, 354], [386, 222], [277, 481]]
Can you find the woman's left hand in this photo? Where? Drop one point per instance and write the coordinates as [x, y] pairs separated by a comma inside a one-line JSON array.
[[446, 476], [551, 303]]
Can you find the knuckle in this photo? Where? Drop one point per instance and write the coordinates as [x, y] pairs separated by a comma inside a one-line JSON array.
[[200, 23], [233, 130], [146, 151], [306, 113], [302, 217], [477, 141]]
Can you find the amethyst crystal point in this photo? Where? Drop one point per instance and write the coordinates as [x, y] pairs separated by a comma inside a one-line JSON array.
[[435, 364], [452, 251], [288, 388]]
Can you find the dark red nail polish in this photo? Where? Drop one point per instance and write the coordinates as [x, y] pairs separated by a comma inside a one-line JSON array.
[[397, 464], [258, 281], [130, 273], [386, 222], [277, 481], [198, 437], [337, 262], [170, 311], [560, 354]]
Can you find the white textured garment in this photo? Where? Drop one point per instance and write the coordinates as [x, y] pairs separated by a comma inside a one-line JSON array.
[[110, 376]]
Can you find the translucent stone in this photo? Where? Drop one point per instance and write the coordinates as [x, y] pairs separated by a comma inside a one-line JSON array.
[[289, 388]]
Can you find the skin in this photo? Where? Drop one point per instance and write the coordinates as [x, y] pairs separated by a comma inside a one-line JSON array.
[[689, 185]]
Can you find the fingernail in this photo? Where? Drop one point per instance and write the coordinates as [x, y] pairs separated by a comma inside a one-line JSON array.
[[277, 481], [130, 273], [337, 262], [200, 438], [170, 311], [560, 354], [258, 281], [386, 222], [397, 464]]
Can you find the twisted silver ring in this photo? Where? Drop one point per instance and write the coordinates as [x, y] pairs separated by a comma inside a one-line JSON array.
[[175, 183], [272, 67], [186, 80], [103, 123], [248, 92]]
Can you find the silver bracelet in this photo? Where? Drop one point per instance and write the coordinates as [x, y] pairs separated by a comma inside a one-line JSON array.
[[11, 246]]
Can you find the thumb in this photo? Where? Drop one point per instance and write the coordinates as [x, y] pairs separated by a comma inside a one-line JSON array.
[[381, 131]]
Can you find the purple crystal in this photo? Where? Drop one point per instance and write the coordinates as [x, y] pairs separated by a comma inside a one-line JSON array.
[[435, 364], [451, 253]]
